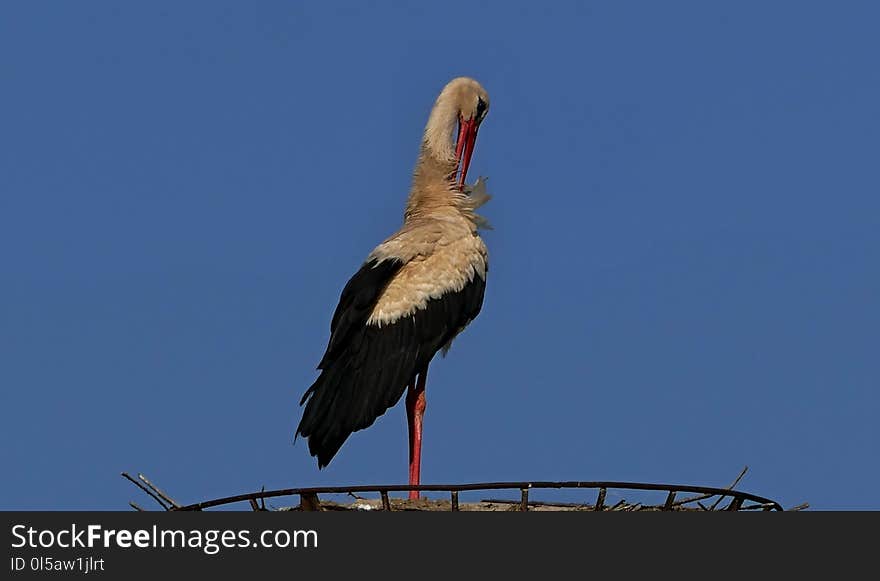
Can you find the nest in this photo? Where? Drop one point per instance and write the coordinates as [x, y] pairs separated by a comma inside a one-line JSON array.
[[676, 497]]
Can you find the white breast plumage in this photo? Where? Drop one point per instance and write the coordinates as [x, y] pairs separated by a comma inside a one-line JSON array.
[[447, 269]]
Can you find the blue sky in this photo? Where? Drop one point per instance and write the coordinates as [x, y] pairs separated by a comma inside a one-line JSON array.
[[684, 271]]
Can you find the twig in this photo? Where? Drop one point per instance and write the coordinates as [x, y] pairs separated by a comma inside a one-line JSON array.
[[308, 501], [147, 490], [136, 507], [801, 506], [697, 498], [256, 506], [758, 506], [620, 503], [600, 500], [733, 484], [157, 491], [735, 503], [705, 496]]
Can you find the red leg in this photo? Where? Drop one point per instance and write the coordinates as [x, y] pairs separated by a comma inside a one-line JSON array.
[[415, 410]]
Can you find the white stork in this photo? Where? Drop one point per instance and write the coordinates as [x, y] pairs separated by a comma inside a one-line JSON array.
[[414, 293]]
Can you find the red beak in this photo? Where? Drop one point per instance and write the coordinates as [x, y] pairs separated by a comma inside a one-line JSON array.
[[464, 147]]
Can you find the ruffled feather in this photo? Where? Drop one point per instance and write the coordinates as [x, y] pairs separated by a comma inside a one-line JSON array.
[[475, 197]]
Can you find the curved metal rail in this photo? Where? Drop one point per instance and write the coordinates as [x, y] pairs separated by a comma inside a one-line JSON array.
[[309, 500]]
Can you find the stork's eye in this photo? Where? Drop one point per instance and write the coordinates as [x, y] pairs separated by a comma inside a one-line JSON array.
[[481, 108]]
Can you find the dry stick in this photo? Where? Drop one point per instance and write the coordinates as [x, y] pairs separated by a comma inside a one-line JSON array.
[[697, 498], [801, 506], [147, 490], [600, 500], [762, 506], [731, 487], [157, 491], [617, 506], [736, 503], [136, 507], [705, 496], [309, 501]]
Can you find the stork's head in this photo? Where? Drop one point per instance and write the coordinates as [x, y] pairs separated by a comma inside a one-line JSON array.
[[465, 102]]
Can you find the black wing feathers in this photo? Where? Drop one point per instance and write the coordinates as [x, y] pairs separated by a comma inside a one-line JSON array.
[[366, 368], [357, 301]]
